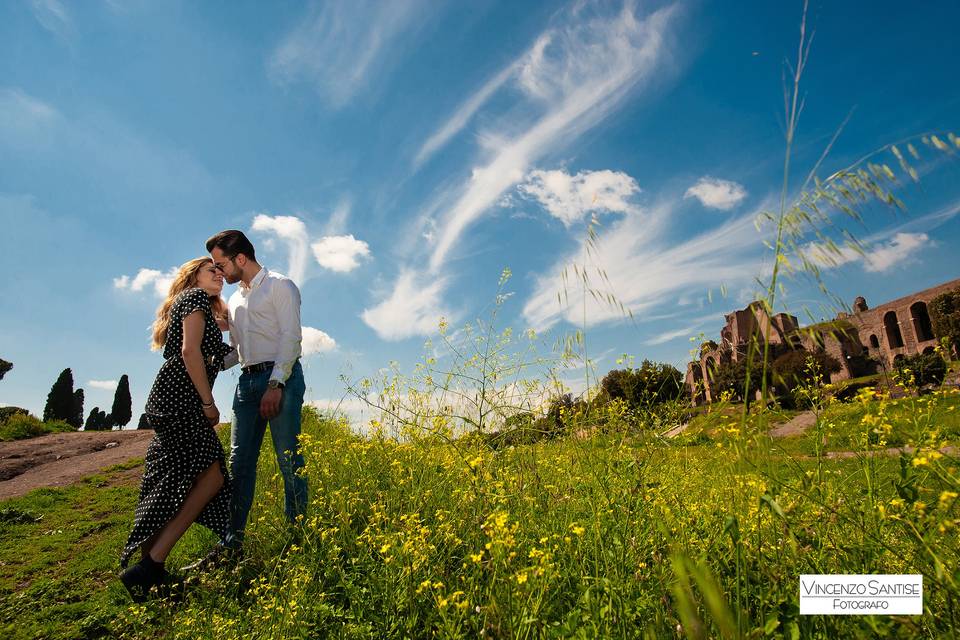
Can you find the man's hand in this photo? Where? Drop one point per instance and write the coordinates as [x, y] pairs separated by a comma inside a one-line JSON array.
[[270, 403]]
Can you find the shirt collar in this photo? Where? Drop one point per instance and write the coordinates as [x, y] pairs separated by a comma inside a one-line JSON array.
[[257, 280]]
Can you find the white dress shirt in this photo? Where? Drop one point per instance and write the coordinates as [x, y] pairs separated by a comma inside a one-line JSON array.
[[265, 323]]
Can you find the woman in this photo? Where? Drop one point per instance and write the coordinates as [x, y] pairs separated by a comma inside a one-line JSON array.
[[185, 477]]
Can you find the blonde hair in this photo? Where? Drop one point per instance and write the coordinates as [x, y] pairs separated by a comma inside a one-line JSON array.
[[186, 278]]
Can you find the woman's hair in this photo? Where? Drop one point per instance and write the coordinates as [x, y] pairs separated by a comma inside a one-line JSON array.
[[186, 278]]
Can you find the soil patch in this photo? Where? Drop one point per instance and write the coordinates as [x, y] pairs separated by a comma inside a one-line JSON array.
[[61, 459], [797, 425]]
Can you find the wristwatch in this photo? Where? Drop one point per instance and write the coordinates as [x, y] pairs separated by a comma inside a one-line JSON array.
[[275, 384]]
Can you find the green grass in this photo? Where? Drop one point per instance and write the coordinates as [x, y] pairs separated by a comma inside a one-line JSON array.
[[58, 557], [571, 538], [914, 420]]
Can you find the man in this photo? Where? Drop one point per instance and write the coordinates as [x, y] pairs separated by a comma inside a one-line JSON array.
[[265, 330]]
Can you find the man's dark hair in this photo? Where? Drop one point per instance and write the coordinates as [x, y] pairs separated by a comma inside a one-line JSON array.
[[232, 243]]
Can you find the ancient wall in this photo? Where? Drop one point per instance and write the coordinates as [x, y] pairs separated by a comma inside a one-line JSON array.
[[900, 327], [891, 330]]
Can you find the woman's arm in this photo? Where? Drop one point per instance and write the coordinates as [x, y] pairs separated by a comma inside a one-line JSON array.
[[193, 326]]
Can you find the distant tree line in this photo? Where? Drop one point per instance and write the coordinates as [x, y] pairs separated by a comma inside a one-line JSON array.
[[66, 404]]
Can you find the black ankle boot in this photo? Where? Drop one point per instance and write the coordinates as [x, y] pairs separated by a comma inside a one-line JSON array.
[[143, 576]]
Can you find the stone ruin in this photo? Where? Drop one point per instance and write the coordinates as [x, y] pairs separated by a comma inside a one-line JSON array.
[[887, 333]]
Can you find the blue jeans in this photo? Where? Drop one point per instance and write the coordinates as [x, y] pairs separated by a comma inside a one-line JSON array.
[[246, 437]]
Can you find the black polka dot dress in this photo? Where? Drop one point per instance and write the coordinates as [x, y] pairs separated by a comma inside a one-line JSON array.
[[184, 444]]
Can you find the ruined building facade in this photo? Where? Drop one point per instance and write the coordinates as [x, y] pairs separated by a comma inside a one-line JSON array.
[[885, 333]]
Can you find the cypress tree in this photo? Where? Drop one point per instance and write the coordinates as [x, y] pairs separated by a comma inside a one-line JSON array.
[[76, 419], [4, 367], [97, 421], [60, 401], [122, 409]]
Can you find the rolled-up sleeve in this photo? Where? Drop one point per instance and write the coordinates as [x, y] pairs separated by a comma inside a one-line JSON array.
[[286, 301]]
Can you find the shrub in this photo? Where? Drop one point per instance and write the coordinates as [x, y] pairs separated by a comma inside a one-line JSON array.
[[927, 368], [945, 316], [7, 412], [23, 425], [652, 384], [731, 376], [791, 369]]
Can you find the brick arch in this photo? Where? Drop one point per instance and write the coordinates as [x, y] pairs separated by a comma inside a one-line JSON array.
[[920, 319], [874, 341], [891, 327], [699, 391]]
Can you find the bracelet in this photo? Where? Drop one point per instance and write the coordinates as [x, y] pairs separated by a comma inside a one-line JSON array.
[[207, 406]]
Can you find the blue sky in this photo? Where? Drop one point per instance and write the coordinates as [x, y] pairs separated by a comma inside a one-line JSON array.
[[394, 157]]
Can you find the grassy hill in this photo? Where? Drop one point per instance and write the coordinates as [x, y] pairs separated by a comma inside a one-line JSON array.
[[620, 534]]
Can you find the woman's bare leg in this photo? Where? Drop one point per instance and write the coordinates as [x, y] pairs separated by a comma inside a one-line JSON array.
[[206, 486]]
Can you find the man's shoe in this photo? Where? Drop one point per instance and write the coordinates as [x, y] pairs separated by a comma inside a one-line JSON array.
[[142, 577], [219, 556]]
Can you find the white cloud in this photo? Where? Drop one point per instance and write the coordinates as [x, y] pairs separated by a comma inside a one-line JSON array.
[[106, 385], [293, 232], [462, 116], [645, 268], [900, 248], [158, 281], [337, 223], [879, 254], [572, 77], [683, 332], [571, 198], [341, 44], [340, 253], [716, 193], [53, 16], [586, 69], [316, 341], [413, 308]]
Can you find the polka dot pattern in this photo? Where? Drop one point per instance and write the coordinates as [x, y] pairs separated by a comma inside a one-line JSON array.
[[184, 443]]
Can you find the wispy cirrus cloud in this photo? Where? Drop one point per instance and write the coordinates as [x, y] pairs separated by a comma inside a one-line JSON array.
[[581, 71], [26, 120], [878, 255], [292, 231], [575, 74], [715, 193], [53, 16], [683, 332], [414, 307], [645, 268], [464, 113], [340, 45]]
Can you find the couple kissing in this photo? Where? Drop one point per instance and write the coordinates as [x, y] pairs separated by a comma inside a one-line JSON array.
[[186, 478]]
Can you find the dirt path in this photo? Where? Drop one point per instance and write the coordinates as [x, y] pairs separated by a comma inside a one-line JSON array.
[[795, 426], [61, 459], [894, 451]]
